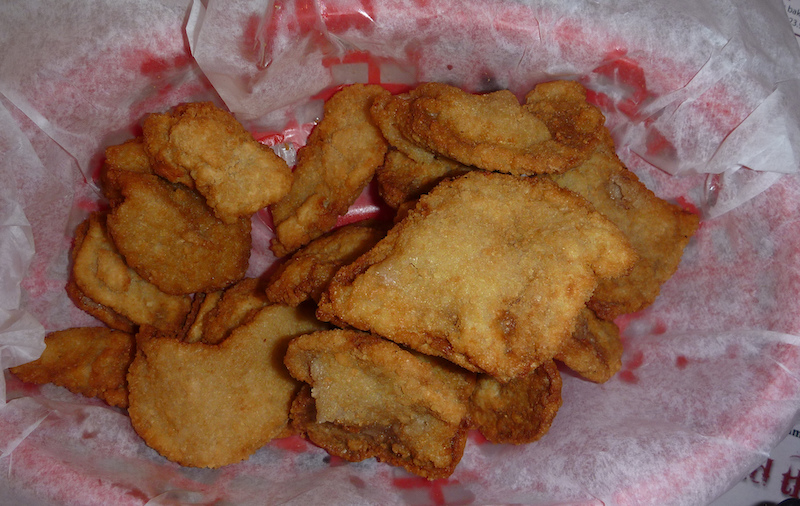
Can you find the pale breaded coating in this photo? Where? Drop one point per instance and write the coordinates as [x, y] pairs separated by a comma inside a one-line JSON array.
[[100, 273], [170, 237], [204, 147], [401, 178], [519, 411], [488, 270], [594, 351], [236, 305], [371, 398], [91, 361], [309, 270], [658, 230], [336, 164], [204, 405], [491, 131]]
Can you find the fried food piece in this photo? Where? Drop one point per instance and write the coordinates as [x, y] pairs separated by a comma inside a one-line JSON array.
[[491, 131], [489, 271], [170, 237], [519, 411], [594, 350], [204, 147], [338, 161], [401, 178], [657, 230], [90, 361], [370, 398], [100, 273], [236, 305], [307, 273], [129, 156], [206, 405]]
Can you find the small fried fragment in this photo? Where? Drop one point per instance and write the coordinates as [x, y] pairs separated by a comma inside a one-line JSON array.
[[100, 273], [401, 178], [206, 405], [519, 411], [491, 131], [594, 350], [657, 230], [204, 147], [129, 156], [91, 361], [307, 273], [170, 237], [371, 398], [338, 161], [236, 305], [488, 270]]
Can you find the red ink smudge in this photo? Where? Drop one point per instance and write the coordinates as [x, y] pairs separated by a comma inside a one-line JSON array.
[[628, 377], [681, 362], [635, 361], [294, 444]]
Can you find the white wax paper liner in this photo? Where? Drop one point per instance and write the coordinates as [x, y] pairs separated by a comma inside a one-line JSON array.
[[710, 377]]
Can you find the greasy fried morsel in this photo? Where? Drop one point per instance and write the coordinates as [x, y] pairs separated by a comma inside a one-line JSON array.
[[203, 304], [491, 131], [91, 361], [594, 351], [307, 273], [129, 156], [657, 230], [338, 161], [234, 307], [371, 398], [100, 273], [488, 270], [204, 147], [401, 178], [519, 411], [204, 405], [170, 237]]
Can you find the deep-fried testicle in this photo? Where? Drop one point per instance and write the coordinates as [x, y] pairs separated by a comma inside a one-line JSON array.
[[206, 405], [519, 411], [657, 230], [488, 270], [594, 351], [91, 361], [204, 147], [309, 271], [101, 274], [338, 161], [371, 398], [170, 237]]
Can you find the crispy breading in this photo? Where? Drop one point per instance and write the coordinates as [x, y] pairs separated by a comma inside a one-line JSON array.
[[519, 411], [488, 270], [371, 398], [338, 161], [401, 178], [170, 237], [100, 273], [491, 131], [91, 361], [307, 273], [205, 147], [594, 351], [658, 230], [204, 405], [236, 305]]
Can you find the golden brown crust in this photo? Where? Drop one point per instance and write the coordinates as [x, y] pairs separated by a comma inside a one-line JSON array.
[[371, 398], [401, 178], [488, 270], [236, 306], [594, 350], [168, 235], [91, 361], [519, 411], [338, 161]]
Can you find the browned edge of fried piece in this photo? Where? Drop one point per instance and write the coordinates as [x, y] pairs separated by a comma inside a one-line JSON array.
[[236, 305], [308, 272], [594, 351], [401, 178], [336, 164], [519, 411], [90, 361]]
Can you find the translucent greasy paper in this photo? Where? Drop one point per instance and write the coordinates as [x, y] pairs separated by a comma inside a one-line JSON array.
[[701, 98]]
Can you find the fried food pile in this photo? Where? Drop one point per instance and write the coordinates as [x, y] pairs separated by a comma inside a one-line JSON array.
[[519, 237]]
